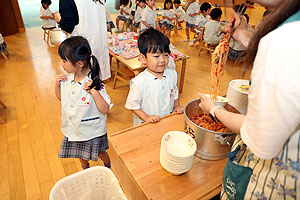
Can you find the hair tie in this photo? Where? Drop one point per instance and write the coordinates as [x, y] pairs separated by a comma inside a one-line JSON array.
[[91, 55]]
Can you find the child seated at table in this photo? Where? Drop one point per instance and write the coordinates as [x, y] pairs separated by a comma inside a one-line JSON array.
[[125, 15], [236, 50], [201, 20], [149, 16], [213, 32], [47, 16], [168, 15], [179, 12], [109, 23], [138, 14], [153, 93]]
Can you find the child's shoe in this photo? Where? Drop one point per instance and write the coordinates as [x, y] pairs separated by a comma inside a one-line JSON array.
[[186, 40], [179, 28], [117, 30], [191, 43]]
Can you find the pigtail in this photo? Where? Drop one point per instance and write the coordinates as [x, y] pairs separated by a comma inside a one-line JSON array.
[[94, 74]]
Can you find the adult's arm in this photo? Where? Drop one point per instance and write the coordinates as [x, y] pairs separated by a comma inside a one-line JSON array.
[[69, 15]]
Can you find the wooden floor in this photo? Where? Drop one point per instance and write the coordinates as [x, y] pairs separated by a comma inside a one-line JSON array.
[[31, 137]]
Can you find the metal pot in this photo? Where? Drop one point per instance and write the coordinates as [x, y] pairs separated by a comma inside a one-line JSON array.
[[211, 145]]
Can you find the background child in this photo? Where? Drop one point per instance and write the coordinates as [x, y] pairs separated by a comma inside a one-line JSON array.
[[236, 50], [153, 93], [84, 104], [179, 12], [168, 15], [191, 12], [109, 23], [46, 15], [213, 31], [3, 49], [138, 14], [149, 16], [201, 20], [125, 15]]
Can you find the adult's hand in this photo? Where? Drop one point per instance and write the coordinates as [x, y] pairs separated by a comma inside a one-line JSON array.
[[241, 32], [206, 103]]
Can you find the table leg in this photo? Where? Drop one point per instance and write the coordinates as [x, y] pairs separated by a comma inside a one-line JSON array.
[[182, 73]]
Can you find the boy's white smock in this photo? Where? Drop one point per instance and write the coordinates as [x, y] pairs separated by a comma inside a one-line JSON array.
[[92, 26], [180, 12], [192, 9], [201, 21], [149, 16], [81, 119], [154, 96], [212, 32]]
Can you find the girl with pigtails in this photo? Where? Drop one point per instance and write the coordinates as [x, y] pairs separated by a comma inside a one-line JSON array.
[[84, 104]]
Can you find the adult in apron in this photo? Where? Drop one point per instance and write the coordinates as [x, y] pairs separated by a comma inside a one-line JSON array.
[[92, 26], [265, 158]]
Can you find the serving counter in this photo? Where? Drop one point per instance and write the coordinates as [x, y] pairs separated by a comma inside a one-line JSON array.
[[134, 156]]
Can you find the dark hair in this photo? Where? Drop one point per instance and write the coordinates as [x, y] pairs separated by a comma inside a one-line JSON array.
[[205, 6], [247, 17], [144, 1], [124, 2], [286, 9], [215, 13], [99, 1], [168, 1], [177, 2], [153, 41], [76, 49], [47, 2]]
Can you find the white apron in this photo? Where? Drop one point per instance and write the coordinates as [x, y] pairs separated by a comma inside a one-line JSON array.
[[92, 26]]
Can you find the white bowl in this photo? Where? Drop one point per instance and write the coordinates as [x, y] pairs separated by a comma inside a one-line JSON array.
[[221, 101], [179, 144]]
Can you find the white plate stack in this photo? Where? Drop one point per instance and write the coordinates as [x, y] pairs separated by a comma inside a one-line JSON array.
[[177, 152]]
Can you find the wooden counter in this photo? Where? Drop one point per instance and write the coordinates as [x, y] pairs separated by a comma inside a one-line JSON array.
[[135, 161]]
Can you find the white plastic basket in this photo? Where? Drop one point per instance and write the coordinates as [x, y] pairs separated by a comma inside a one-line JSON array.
[[94, 183]]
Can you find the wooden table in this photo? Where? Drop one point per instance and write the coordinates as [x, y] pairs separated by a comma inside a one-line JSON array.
[[135, 161], [136, 66]]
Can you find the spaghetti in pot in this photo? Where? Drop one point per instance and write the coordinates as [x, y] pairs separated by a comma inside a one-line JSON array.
[[206, 122]]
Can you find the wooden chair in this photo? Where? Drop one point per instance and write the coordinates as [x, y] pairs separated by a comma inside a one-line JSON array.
[[205, 46], [5, 54], [168, 33], [2, 106], [47, 34], [123, 74]]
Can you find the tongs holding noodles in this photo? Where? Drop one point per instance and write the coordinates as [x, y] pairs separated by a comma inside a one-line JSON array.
[[219, 56]]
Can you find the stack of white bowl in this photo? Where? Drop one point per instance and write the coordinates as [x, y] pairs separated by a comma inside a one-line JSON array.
[[177, 152]]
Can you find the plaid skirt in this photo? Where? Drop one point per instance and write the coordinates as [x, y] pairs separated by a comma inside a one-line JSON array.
[[3, 47], [123, 18], [236, 55], [188, 25], [168, 26], [112, 25], [86, 150]]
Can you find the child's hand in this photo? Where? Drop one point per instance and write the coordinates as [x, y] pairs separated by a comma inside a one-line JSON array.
[[87, 85], [59, 78], [153, 119], [179, 110]]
